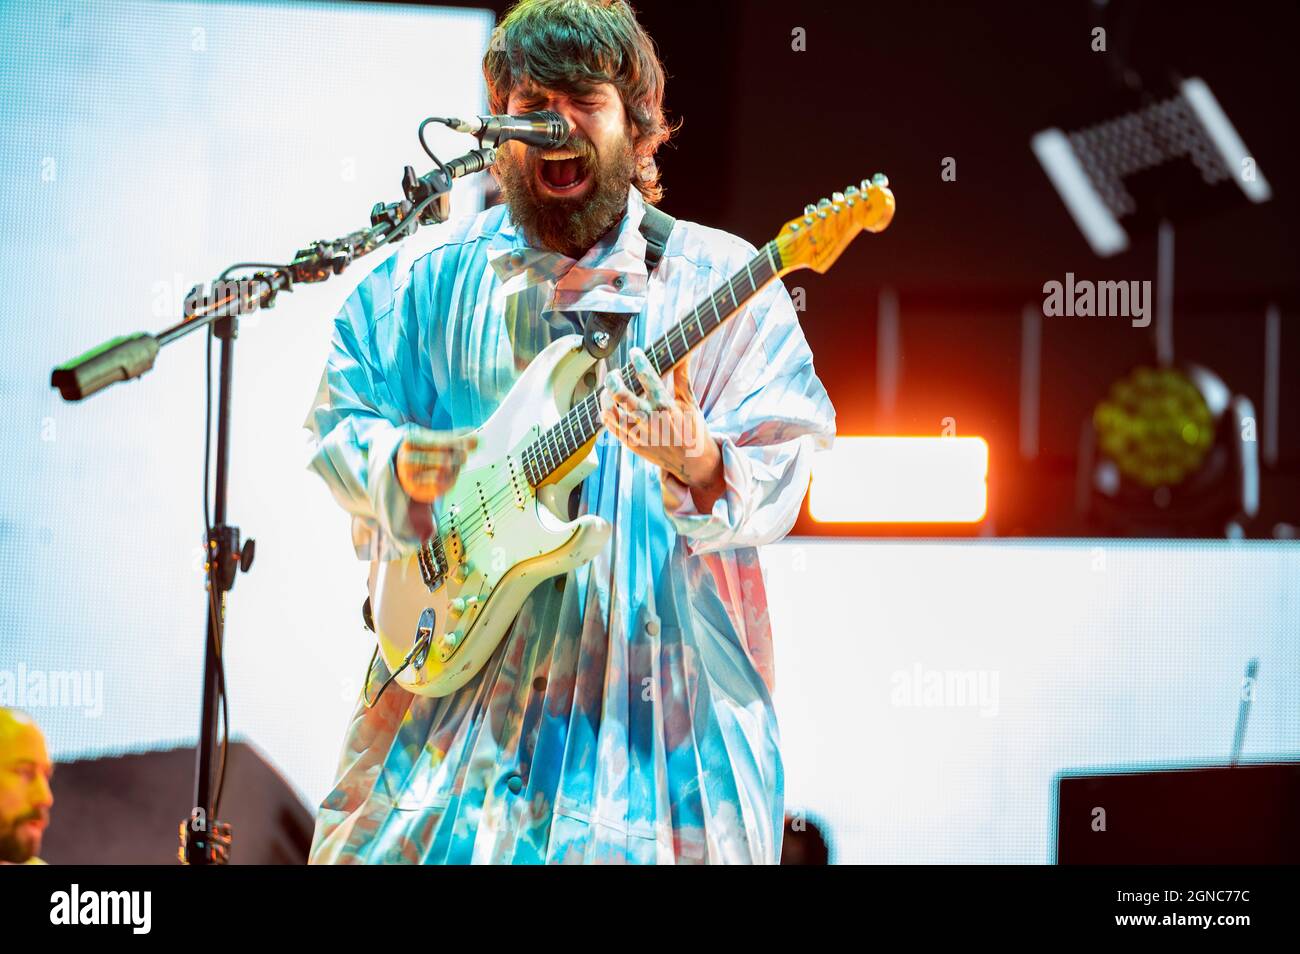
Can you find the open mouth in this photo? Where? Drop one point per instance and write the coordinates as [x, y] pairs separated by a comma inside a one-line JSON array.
[[562, 171]]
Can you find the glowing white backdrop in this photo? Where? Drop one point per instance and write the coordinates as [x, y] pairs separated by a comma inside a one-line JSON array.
[[145, 147], [929, 693]]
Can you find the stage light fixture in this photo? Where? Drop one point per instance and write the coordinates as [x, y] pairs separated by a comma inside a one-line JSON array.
[[1170, 450]]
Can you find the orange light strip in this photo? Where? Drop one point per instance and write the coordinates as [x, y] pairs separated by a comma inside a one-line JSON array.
[[901, 480]]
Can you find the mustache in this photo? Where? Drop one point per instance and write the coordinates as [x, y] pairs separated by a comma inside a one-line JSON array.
[[585, 150], [40, 814]]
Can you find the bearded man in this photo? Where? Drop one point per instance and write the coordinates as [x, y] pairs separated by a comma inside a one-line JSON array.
[[25, 795], [627, 715]]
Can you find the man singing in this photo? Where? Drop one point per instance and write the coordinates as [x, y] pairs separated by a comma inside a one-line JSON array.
[[627, 714]]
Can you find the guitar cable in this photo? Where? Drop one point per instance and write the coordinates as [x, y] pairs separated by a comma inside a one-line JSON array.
[[422, 643]]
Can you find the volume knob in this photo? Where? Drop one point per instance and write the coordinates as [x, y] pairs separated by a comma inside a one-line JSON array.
[[458, 605]]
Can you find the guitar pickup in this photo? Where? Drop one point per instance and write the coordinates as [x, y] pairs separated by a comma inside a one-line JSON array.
[[488, 526], [454, 551], [515, 485]]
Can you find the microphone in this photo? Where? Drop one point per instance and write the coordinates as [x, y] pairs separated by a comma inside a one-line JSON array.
[[544, 129]]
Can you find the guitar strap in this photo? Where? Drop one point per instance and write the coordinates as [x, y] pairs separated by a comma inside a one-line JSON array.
[[602, 330], [601, 334]]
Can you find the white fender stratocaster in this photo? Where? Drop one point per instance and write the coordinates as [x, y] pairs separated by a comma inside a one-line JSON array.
[[503, 527]]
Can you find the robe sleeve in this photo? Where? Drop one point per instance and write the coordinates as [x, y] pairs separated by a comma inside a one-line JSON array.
[[768, 411], [375, 385]]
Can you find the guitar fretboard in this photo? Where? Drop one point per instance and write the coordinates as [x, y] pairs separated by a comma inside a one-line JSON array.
[[582, 422]]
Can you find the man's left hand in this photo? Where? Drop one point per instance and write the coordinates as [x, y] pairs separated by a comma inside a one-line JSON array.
[[665, 427]]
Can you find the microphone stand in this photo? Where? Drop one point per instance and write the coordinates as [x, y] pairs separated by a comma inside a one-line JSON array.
[[203, 838]]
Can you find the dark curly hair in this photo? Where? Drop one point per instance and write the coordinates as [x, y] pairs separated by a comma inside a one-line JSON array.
[[571, 45]]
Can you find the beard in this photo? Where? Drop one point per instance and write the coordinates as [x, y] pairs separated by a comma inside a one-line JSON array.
[[567, 225], [17, 846]]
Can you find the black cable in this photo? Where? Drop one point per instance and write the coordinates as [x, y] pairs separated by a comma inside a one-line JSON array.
[[278, 268], [429, 152], [424, 145], [207, 444], [371, 703], [415, 649], [214, 612], [400, 227]]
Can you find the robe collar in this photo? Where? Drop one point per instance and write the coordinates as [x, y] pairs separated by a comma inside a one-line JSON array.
[[610, 276]]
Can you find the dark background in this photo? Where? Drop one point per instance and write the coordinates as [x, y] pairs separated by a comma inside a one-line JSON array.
[[899, 88]]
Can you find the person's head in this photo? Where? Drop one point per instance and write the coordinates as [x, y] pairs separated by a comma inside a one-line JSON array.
[[25, 796], [591, 62]]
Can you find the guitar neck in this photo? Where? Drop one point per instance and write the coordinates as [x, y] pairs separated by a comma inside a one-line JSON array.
[[562, 440]]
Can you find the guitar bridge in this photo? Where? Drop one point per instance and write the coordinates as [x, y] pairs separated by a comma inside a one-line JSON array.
[[433, 562]]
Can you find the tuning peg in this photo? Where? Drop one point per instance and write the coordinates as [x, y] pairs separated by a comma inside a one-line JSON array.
[[851, 190], [809, 209], [837, 197], [881, 180], [823, 202]]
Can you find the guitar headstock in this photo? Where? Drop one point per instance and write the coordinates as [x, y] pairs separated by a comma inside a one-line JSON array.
[[816, 239]]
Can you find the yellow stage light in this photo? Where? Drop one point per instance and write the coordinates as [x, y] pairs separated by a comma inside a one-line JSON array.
[[1156, 426]]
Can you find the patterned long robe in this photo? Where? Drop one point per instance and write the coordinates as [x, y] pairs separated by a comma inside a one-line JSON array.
[[627, 716]]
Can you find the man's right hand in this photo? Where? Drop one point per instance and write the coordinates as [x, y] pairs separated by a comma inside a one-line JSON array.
[[428, 461]]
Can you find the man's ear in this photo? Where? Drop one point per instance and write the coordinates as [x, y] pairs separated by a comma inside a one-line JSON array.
[[630, 125]]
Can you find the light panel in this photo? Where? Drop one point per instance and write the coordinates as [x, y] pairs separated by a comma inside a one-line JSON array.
[[901, 480]]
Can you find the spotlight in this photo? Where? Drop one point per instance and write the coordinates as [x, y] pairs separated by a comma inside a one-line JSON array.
[[1170, 451]]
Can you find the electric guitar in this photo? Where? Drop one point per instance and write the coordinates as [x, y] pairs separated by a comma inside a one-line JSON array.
[[503, 526]]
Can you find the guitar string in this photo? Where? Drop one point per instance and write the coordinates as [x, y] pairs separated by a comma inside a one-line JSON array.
[[495, 505], [565, 431]]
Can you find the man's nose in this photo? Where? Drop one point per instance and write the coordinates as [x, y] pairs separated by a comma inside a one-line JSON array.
[[43, 797], [562, 105]]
